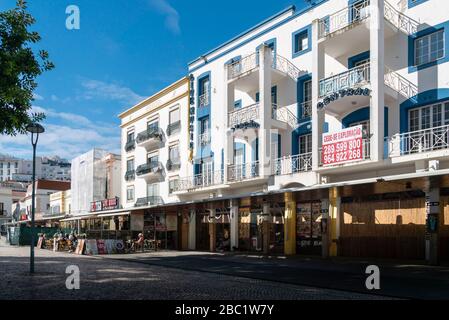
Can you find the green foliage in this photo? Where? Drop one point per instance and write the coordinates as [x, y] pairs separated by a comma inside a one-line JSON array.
[[19, 67]]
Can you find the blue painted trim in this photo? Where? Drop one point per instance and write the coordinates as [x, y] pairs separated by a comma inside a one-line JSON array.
[[279, 24], [363, 114], [302, 130], [232, 60], [411, 47], [357, 58], [300, 96], [295, 35], [238, 104], [422, 99], [222, 160], [415, 3], [272, 43], [255, 150], [325, 127], [203, 111]]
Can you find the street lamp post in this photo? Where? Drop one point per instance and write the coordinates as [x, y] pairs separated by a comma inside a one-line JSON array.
[[35, 129]]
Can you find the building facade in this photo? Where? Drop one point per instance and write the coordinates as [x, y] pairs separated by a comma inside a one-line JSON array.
[[318, 131], [10, 193], [96, 176], [47, 168]]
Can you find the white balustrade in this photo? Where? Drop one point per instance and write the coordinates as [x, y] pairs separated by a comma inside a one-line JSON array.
[[352, 78], [293, 164], [241, 172], [243, 115]]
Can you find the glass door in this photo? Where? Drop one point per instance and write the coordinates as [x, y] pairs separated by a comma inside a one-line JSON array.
[[308, 228]]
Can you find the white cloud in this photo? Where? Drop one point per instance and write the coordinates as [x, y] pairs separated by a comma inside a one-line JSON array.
[[37, 97], [109, 91], [171, 15], [66, 135]]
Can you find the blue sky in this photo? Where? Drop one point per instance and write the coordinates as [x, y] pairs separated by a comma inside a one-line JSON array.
[[124, 51]]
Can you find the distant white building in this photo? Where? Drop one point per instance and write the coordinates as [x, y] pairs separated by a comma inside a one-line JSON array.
[[96, 176], [10, 193], [47, 168]]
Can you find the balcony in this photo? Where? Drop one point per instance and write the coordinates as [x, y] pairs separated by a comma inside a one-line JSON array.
[[400, 84], [243, 66], [151, 172], [353, 78], [242, 172], [283, 114], [250, 63], [130, 175], [149, 201], [306, 110], [173, 164], [344, 19], [243, 115], [414, 142], [204, 138], [199, 181], [173, 128], [204, 100], [130, 145], [399, 20], [293, 164], [366, 155], [150, 139]]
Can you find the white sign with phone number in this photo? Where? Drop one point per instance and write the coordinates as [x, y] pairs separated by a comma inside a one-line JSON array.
[[342, 146]]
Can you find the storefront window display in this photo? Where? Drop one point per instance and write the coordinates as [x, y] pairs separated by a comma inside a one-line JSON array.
[[250, 229]]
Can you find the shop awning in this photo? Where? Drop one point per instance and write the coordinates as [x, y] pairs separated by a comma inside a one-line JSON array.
[[126, 213], [51, 218], [75, 218]]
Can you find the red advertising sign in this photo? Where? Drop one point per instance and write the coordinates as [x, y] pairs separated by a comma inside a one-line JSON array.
[[342, 146], [103, 205]]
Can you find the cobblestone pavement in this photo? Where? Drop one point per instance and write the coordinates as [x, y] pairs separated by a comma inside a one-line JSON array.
[[114, 279]]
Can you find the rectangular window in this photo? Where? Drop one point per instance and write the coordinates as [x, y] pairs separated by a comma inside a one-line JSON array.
[[130, 136], [153, 159], [307, 94], [172, 184], [153, 190], [305, 144], [130, 165], [130, 193], [204, 125], [174, 122], [302, 41], [427, 117], [174, 154], [153, 126], [429, 48]]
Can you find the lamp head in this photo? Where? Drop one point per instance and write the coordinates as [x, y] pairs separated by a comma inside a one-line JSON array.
[[35, 128]]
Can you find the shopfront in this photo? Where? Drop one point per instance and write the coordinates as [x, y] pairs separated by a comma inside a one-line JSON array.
[[308, 228], [160, 230]]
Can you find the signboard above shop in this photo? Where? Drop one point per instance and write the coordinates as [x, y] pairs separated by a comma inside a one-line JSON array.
[[342, 146], [104, 205]]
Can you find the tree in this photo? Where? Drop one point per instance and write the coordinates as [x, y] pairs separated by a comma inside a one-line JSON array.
[[19, 68]]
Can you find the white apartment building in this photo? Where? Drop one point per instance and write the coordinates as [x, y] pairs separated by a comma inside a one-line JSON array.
[[318, 131], [96, 176], [155, 152], [47, 168], [10, 193]]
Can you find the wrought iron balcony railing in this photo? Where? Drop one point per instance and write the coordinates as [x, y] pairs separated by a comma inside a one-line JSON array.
[[284, 65], [173, 128], [344, 18], [245, 171], [173, 164], [306, 109], [199, 181], [293, 164], [352, 78], [130, 175], [399, 20], [400, 84], [283, 114], [413, 142], [151, 167], [130, 145], [204, 138], [243, 115], [149, 134], [149, 201], [243, 66], [204, 100]]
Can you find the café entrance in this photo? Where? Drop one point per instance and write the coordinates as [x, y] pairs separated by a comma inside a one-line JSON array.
[[160, 231]]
